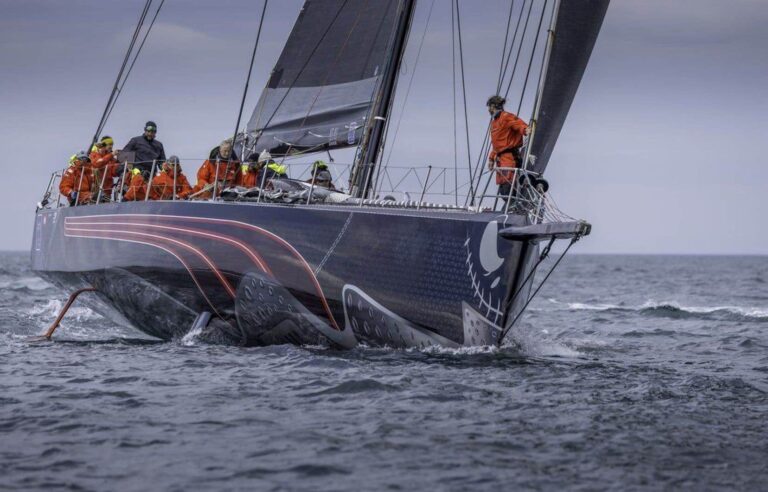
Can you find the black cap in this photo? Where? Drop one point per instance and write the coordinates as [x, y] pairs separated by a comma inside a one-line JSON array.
[[150, 125], [497, 101]]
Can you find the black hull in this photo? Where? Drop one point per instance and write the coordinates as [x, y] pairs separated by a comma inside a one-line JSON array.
[[270, 274]]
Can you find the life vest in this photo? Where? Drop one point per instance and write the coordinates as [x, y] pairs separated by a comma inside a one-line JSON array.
[[277, 168]]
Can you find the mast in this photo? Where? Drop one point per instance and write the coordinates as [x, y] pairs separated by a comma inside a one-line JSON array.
[[362, 171], [542, 81]]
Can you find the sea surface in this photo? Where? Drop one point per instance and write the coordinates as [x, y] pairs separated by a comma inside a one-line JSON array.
[[628, 373]]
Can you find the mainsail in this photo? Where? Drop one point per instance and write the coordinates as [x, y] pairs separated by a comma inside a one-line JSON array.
[[321, 90], [578, 24]]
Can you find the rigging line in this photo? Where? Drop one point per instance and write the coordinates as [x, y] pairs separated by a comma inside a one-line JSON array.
[[512, 46], [248, 80], [533, 53], [479, 164], [486, 140], [544, 280], [464, 92], [453, 100], [127, 57], [408, 89], [306, 63], [519, 49], [130, 68], [506, 40]]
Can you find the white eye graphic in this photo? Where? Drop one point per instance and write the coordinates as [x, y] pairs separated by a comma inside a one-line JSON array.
[[489, 251]]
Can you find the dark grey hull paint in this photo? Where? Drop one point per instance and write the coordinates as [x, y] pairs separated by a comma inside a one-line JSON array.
[[272, 274]]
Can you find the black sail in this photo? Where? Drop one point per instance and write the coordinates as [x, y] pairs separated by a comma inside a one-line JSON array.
[[321, 90], [578, 24]]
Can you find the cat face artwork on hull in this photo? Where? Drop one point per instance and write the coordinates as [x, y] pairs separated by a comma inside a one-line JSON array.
[[289, 262]]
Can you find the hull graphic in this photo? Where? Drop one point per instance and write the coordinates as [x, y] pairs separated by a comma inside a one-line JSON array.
[[271, 274]]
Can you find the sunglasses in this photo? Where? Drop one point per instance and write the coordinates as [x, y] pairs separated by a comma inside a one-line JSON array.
[[150, 130]]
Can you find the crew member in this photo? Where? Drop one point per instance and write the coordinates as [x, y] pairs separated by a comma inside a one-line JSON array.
[[321, 175], [104, 164], [248, 175], [162, 185], [225, 163], [137, 187], [77, 180], [507, 132], [272, 169], [147, 149]]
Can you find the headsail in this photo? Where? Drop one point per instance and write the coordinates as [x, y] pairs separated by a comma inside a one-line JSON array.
[[321, 90], [576, 30]]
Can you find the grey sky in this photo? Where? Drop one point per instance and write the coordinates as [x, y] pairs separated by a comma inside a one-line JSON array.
[[662, 151]]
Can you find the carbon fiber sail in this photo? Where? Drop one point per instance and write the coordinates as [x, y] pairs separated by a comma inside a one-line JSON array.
[[578, 24], [321, 90]]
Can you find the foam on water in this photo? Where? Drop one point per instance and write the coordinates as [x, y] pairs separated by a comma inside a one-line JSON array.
[[191, 338], [51, 309], [664, 307]]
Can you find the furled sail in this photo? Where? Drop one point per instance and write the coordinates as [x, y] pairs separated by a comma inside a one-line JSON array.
[[578, 24], [321, 90]]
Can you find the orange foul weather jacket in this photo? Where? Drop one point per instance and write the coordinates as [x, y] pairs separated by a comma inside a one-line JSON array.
[[207, 175], [507, 131], [162, 187], [71, 182], [247, 177], [104, 170], [137, 189]]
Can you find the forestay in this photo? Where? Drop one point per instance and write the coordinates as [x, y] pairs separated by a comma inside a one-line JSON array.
[[321, 90], [576, 30]]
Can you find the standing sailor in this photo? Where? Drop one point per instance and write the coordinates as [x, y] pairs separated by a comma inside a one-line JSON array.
[[77, 180], [507, 132], [146, 149]]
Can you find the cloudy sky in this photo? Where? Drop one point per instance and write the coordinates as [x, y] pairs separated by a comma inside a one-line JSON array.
[[663, 151]]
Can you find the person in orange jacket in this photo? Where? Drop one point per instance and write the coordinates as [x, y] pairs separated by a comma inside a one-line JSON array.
[[248, 175], [507, 132], [162, 184], [104, 163], [137, 187], [77, 180], [207, 175]]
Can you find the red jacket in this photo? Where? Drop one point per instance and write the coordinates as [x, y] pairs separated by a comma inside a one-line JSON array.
[[247, 177], [137, 190], [207, 175], [105, 169], [71, 181], [162, 186], [507, 131]]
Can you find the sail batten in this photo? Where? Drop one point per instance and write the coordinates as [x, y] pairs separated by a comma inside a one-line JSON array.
[[321, 89], [576, 30]]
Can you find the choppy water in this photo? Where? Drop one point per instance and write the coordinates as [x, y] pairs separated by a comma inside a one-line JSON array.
[[634, 373]]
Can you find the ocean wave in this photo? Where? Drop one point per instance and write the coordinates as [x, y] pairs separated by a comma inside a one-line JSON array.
[[673, 309], [24, 283]]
